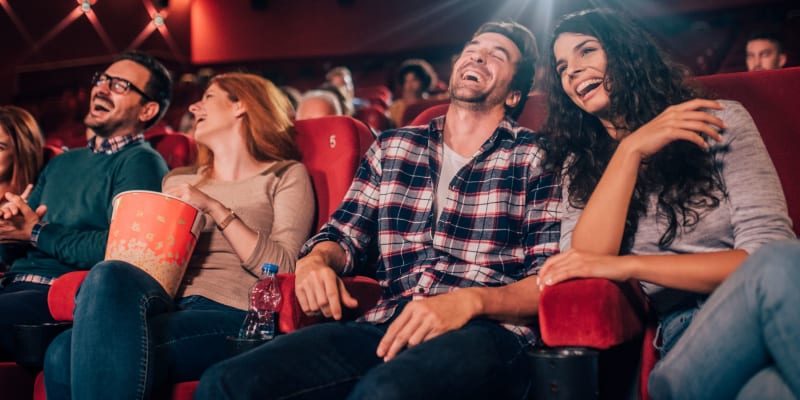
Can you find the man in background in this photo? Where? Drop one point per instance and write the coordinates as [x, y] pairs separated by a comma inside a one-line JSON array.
[[764, 51], [64, 219]]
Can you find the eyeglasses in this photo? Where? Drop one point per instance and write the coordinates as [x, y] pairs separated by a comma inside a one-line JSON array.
[[117, 85]]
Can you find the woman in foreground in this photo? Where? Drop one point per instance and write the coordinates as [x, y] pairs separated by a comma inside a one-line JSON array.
[[663, 186]]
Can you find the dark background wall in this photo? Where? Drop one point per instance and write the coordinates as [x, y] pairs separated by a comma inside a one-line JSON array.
[[49, 46]]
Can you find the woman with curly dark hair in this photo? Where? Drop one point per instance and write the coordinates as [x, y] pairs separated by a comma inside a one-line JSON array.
[[673, 190]]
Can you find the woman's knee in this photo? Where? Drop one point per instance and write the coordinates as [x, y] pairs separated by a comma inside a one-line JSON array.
[[112, 278], [766, 384], [660, 386], [776, 269]]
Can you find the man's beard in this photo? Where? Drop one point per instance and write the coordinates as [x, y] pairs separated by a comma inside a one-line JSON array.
[[476, 101], [103, 129]]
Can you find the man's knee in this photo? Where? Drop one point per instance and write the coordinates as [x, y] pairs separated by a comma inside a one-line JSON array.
[[379, 386], [217, 380]]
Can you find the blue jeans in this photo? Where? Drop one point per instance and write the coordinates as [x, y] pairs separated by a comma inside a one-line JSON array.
[[337, 360], [671, 328], [745, 340], [130, 339]]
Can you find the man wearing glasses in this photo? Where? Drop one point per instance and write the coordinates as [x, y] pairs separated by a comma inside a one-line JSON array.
[[66, 215]]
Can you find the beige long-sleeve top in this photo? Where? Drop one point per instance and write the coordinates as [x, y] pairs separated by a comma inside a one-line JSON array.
[[277, 203]]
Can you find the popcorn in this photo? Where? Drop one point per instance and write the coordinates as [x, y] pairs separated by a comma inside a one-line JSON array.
[[150, 231]]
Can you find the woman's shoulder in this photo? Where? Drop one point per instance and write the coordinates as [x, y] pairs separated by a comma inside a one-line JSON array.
[[732, 110], [740, 122], [181, 175], [284, 167]]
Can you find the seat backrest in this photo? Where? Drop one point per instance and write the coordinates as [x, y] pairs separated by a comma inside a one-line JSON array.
[[532, 116], [160, 128], [374, 117], [535, 112], [50, 151], [415, 108], [771, 98], [378, 95], [177, 149], [331, 149], [432, 112]]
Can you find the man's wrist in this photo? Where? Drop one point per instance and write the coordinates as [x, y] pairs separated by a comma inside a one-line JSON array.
[[35, 232], [475, 298]]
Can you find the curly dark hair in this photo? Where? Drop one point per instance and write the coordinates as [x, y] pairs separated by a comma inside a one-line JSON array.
[[642, 82]]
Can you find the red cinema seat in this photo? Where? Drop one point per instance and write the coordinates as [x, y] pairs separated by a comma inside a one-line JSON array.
[[374, 117], [378, 95], [177, 149]]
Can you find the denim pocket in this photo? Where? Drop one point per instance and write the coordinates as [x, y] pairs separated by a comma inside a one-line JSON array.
[[672, 327]]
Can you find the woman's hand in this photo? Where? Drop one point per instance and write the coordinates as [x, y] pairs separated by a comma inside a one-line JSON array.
[[578, 264], [191, 195], [686, 121]]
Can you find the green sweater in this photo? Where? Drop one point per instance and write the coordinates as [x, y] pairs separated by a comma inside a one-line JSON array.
[[78, 187]]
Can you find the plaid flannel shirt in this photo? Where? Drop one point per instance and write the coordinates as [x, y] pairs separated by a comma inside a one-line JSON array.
[[114, 144], [498, 225]]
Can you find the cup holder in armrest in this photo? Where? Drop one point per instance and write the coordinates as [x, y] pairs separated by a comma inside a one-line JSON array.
[[31, 341]]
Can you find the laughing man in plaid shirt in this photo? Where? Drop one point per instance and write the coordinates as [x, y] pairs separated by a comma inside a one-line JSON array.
[[459, 210]]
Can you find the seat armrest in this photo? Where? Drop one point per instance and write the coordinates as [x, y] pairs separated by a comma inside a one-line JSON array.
[[596, 313], [61, 297], [291, 317]]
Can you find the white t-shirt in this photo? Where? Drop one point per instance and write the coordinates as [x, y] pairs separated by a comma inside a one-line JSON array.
[[452, 162]]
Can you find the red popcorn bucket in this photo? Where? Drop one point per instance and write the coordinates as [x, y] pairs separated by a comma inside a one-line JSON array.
[[155, 232]]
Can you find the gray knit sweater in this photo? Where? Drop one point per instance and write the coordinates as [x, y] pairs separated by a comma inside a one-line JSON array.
[[754, 212]]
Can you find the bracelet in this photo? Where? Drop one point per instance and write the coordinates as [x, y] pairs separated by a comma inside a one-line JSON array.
[[227, 221]]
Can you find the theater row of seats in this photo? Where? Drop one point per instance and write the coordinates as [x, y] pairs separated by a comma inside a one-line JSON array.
[[590, 313]]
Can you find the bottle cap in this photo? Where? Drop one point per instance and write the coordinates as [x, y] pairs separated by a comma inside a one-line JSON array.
[[267, 267]]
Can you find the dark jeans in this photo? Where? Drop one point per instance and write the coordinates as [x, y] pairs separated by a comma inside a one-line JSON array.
[[337, 360], [20, 303], [130, 339]]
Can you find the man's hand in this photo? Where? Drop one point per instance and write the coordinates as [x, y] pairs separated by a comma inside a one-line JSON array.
[[422, 320], [20, 225], [319, 289]]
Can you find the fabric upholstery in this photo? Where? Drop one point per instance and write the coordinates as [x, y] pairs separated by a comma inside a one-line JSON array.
[[177, 149], [331, 149], [378, 95], [61, 297], [374, 116], [595, 313], [413, 109], [771, 98], [532, 116]]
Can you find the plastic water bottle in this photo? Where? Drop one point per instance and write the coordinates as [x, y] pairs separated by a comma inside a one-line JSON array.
[[265, 297]]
